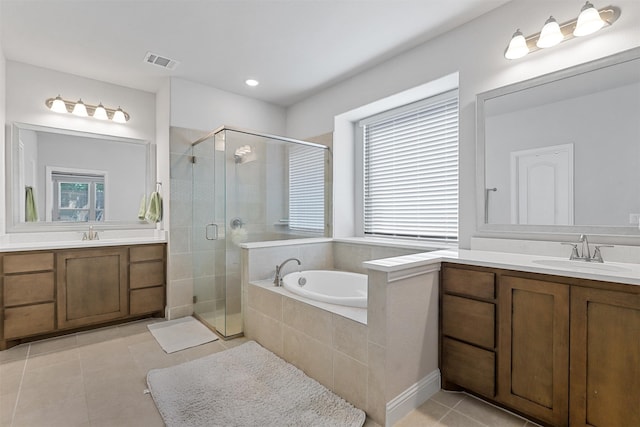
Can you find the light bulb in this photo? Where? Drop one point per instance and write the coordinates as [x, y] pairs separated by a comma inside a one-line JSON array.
[[550, 34], [58, 105], [100, 112], [589, 21], [251, 82], [118, 116], [517, 46], [79, 109]]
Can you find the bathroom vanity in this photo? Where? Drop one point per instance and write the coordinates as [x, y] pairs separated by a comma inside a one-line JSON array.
[[561, 350], [47, 292]]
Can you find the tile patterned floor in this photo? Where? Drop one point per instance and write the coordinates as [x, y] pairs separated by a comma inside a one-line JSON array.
[[98, 378]]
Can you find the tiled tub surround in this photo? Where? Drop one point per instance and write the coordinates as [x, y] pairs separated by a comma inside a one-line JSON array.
[[387, 367]]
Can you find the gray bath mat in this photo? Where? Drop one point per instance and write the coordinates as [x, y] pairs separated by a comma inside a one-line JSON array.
[[246, 386], [178, 334]]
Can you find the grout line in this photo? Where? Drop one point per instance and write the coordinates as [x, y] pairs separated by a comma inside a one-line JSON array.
[[24, 370]]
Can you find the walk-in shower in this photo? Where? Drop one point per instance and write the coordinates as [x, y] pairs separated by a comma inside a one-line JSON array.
[[249, 187]]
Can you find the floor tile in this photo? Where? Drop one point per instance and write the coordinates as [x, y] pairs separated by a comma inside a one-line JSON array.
[[448, 398], [487, 414], [456, 419], [98, 378]]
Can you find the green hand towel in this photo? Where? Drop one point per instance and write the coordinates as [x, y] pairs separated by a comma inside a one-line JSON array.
[[143, 208], [154, 213], [31, 213]]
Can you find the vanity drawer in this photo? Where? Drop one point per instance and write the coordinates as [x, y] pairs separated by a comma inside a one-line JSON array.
[[146, 253], [146, 274], [28, 288], [147, 300], [24, 263], [29, 320], [479, 284], [469, 320], [469, 367]]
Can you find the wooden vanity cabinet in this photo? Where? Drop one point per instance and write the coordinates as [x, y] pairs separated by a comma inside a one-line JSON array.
[[146, 279], [567, 350], [48, 292], [533, 347], [468, 342], [28, 294], [605, 357], [92, 286]]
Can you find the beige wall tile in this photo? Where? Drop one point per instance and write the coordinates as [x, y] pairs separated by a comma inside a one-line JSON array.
[[376, 401], [308, 319], [309, 355], [350, 338], [267, 302], [181, 266], [265, 330], [349, 257], [350, 379], [377, 307], [180, 292], [317, 256], [412, 339]]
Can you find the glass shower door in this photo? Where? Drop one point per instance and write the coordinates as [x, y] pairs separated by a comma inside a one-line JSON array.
[[208, 233]]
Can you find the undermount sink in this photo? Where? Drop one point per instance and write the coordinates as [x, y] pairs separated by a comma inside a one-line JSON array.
[[580, 265]]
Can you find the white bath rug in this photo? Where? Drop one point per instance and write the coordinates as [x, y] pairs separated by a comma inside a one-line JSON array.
[[246, 386], [178, 334]]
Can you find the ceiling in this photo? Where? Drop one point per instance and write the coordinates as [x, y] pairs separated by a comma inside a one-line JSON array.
[[295, 48]]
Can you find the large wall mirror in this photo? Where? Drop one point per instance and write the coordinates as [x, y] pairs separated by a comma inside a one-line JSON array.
[[561, 152], [63, 179]]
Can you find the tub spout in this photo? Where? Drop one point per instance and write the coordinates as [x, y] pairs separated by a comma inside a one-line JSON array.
[[278, 279]]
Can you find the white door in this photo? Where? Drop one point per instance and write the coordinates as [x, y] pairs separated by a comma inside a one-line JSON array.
[[542, 186]]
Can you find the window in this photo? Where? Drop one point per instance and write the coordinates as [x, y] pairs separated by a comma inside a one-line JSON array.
[[410, 170], [306, 188], [77, 197]]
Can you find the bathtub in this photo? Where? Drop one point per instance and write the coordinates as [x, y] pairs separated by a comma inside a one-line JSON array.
[[334, 287]]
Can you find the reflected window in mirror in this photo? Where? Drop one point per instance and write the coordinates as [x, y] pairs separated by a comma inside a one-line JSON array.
[[78, 197]]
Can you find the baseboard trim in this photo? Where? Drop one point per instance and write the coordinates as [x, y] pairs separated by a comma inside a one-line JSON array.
[[412, 398]]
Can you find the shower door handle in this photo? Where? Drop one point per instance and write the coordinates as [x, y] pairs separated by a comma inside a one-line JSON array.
[[215, 233]]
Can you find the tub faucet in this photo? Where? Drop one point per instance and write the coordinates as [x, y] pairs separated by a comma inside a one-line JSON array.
[[278, 280]]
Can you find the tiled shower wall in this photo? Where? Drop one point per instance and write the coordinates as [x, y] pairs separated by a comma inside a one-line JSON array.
[[181, 281]]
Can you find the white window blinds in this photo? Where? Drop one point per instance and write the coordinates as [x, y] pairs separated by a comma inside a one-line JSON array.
[[411, 170], [306, 188]]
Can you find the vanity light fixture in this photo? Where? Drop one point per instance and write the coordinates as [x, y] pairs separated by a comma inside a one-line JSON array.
[[81, 109], [589, 21], [550, 34]]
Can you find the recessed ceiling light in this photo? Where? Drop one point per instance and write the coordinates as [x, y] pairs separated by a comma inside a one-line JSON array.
[[252, 82]]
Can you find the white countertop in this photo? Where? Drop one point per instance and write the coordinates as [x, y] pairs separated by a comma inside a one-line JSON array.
[[73, 239], [627, 273]]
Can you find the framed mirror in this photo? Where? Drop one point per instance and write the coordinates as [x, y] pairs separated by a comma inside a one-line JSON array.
[[561, 152], [64, 179]]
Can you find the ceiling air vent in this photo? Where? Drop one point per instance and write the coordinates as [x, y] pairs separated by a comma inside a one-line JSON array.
[[160, 61]]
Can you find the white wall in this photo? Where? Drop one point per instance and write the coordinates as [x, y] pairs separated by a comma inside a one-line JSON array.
[[3, 220], [28, 87], [475, 50], [195, 106]]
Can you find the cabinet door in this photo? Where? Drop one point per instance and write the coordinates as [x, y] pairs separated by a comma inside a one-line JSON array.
[[533, 348], [605, 358], [92, 286]]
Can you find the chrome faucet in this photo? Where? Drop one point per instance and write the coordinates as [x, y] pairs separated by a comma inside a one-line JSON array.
[[91, 235], [585, 253], [278, 280]]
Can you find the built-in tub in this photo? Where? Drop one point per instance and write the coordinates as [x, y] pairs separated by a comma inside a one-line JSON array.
[[330, 286]]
